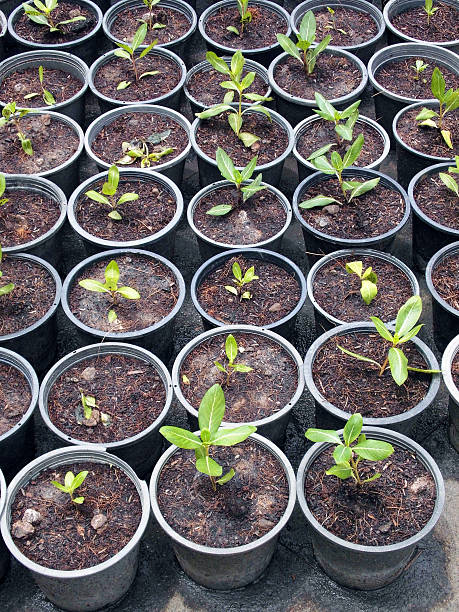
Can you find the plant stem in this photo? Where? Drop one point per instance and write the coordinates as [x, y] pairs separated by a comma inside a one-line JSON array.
[[135, 67], [384, 366], [355, 469]]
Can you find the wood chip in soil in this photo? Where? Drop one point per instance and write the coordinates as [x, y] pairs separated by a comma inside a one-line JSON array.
[[455, 370], [216, 132], [388, 510], [153, 210], [437, 201], [371, 214], [44, 133], [154, 281], [204, 86], [33, 294], [255, 220], [248, 396], [15, 396], [21, 83], [65, 527], [443, 26], [127, 22], [274, 295], [428, 140], [357, 26], [334, 76], [338, 292], [127, 389], [260, 32], [445, 278], [355, 386], [239, 512], [26, 216]]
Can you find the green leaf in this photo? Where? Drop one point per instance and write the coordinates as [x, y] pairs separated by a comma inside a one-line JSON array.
[[150, 73], [123, 85], [6, 289], [112, 316], [438, 84], [205, 436], [328, 111], [237, 272], [408, 315], [68, 480], [230, 437], [217, 62], [254, 97], [180, 437], [2, 184], [249, 275], [237, 64], [446, 134], [398, 365], [139, 36], [342, 454], [220, 367], [252, 188], [352, 428], [321, 152], [208, 466], [358, 356], [323, 435], [217, 109], [322, 164], [350, 110], [344, 131], [78, 500], [374, 450], [79, 479], [319, 200], [231, 348], [112, 275], [233, 30], [413, 332], [248, 139], [249, 169], [368, 291], [113, 178], [382, 329], [93, 285], [426, 113], [355, 267], [240, 367], [307, 29], [288, 46], [128, 197], [248, 80], [353, 152], [231, 289], [225, 165], [212, 409], [147, 50], [122, 53], [129, 293], [229, 85], [364, 188], [59, 486], [235, 122], [342, 471], [374, 477], [97, 197], [449, 182], [115, 215], [219, 210], [226, 477], [48, 97]]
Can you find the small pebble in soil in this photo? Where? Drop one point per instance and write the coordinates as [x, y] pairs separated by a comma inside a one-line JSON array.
[[98, 521], [31, 516], [22, 529]]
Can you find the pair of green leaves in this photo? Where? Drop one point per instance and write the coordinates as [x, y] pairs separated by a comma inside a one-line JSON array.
[[11, 113], [328, 112], [88, 403], [71, 484], [232, 350], [10, 286], [419, 67], [128, 52], [368, 289], [47, 95], [245, 15], [430, 9], [240, 280], [109, 188], [447, 179], [40, 13], [152, 26]]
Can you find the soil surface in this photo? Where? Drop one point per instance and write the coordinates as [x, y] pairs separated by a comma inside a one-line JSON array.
[[127, 389], [355, 386], [204, 86], [333, 76], [445, 278], [141, 218], [131, 127], [249, 396], [390, 509], [437, 201], [239, 512], [357, 26], [147, 88], [274, 295], [154, 281], [321, 131], [371, 214], [41, 34], [127, 22], [455, 370], [260, 32], [15, 396], [216, 132], [345, 302], [65, 527], [43, 133], [255, 220], [26, 216], [33, 294], [21, 83], [426, 139], [443, 26]]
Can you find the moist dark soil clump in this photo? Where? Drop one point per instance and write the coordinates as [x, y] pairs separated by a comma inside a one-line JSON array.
[[127, 22], [445, 278], [274, 295], [355, 386], [239, 512], [429, 140], [255, 220], [127, 389], [64, 538], [388, 510], [338, 292], [437, 201], [249, 396], [21, 83], [33, 294], [15, 396], [204, 86], [141, 218], [443, 27], [155, 282], [359, 27], [399, 77]]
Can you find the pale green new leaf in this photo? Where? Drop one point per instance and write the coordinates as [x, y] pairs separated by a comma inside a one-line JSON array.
[[288, 46], [208, 466], [231, 348], [129, 293], [342, 454], [225, 165], [408, 315], [212, 409], [112, 275], [226, 478], [374, 450], [398, 365], [352, 428], [180, 437], [382, 329], [342, 471], [93, 285], [319, 200], [322, 435], [368, 291], [230, 437]]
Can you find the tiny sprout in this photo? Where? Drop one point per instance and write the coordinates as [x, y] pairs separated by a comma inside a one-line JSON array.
[[127, 52], [429, 9], [405, 329], [47, 95], [246, 17], [109, 189], [89, 403], [2, 189], [210, 416], [231, 350], [346, 464], [41, 13], [419, 67], [152, 26], [71, 483], [240, 281], [332, 26], [185, 380], [446, 178], [13, 114], [328, 112], [141, 148], [368, 290], [6, 288], [112, 275]]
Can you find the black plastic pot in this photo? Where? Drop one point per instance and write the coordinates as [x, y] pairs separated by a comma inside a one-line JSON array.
[[445, 317], [4, 553], [286, 326], [448, 357], [3, 30], [8, 6]]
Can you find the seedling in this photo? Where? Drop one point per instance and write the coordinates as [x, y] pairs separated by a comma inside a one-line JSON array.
[[47, 95], [241, 280], [41, 13], [332, 26], [152, 26], [368, 289], [145, 149], [6, 288], [328, 112], [210, 416], [347, 457], [235, 85], [448, 101], [430, 9], [2, 189], [112, 275], [336, 165], [246, 17], [71, 483], [306, 36], [108, 195], [88, 403], [446, 178], [405, 329], [14, 115], [232, 350], [229, 172], [419, 67], [127, 52]]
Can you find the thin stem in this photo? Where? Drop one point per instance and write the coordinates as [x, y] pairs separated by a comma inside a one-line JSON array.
[[212, 478], [354, 465], [384, 366], [240, 109], [135, 67]]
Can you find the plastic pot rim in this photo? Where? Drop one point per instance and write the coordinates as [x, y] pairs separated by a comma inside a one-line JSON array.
[[449, 354], [2, 493], [449, 249], [3, 29]]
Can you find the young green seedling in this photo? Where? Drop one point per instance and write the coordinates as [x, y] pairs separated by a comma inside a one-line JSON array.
[[14, 115], [347, 457], [306, 36], [448, 101], [446, 178], [229, 172], [127, 52], [332, 26], [336, 165], [240, 281], [246, 17], [108, 195], [41, 14], [112, 275], [145, 149], [232, 350], [368, 289], [235, 85], [210, 416], [46, 95], [10, 286], [405, 329], [430, 9], [419, 67], [152, 26], [328, 112], [2, 189], [71, 483], [88, 403]]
